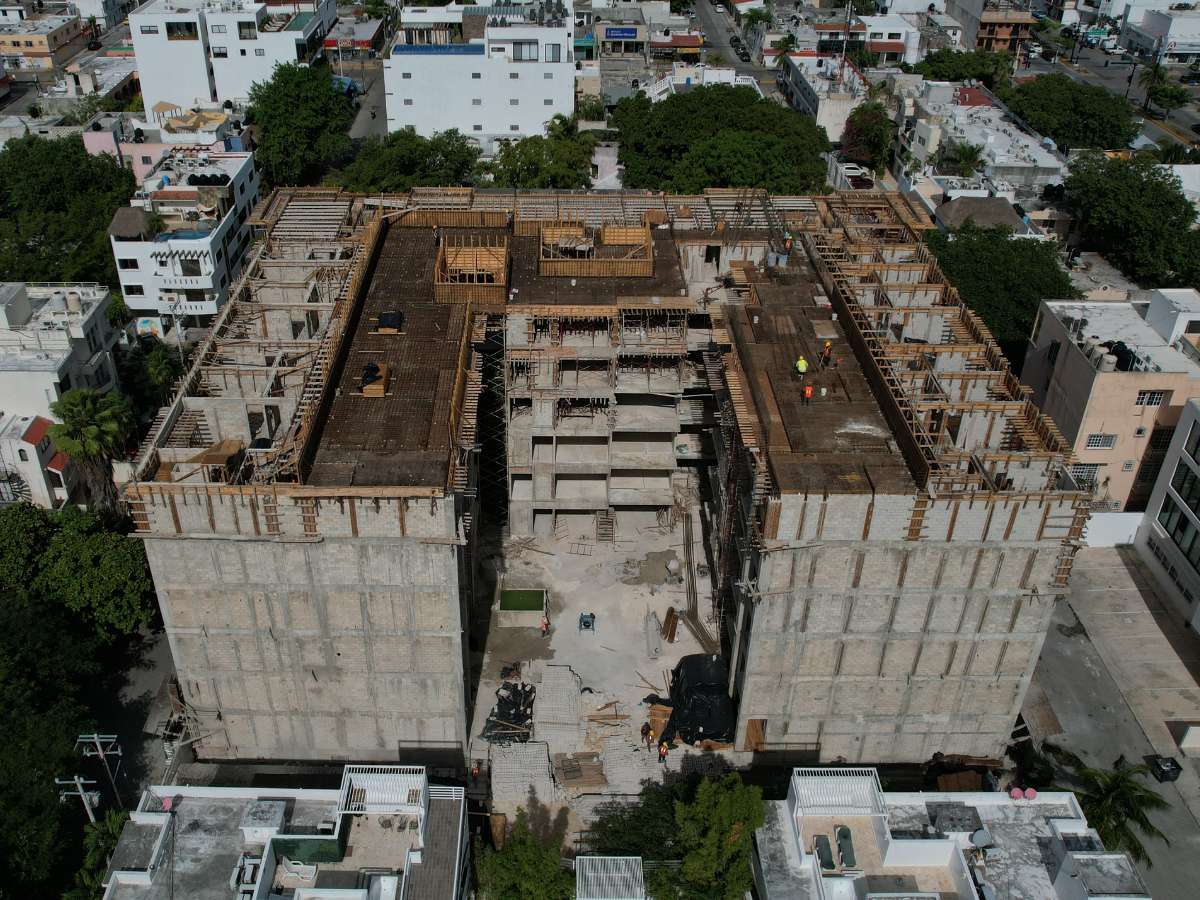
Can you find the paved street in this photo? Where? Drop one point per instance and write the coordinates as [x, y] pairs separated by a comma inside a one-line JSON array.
[[1115, 668], [370, 75], [718, 29]]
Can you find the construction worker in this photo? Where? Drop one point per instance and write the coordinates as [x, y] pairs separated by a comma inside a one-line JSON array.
[[663, 750], [808, 392], [801, 367], [826, 354], [545, 627]]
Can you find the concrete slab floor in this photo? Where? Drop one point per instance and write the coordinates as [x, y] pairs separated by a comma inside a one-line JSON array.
[[1110, 695], [618, 582]]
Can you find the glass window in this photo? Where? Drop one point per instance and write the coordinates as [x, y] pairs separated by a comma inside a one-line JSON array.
[[149, 29], [514, 127], [554, 53], [514, 74], [548, 102], [477, 102], [258, 51], [1193, 439], [1101, 441], [189, 268], [1160, 438], [247, 31], [525, 51], [476, 75], [135, 290], [408, 101], [478, 128], [547, 75], [127, 263], [220, 53], [1150, 398], [24, 456], [217, 29], [514, 102], [1085, 473], [182, 31], [406, 74]]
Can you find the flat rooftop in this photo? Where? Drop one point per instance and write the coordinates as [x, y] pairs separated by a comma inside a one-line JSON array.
[[532, 288], [36, 25], [1118, 321], [840, 442], [403, 437]]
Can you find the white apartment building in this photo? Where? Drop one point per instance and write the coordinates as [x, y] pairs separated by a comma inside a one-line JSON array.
[[53, 337], [839, 835], [826, 88], [493, 77], [32, 470], [179, 243], [1173, 35], [209, 52]]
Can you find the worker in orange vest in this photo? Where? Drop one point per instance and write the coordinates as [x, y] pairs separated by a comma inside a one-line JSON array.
[[808, 392]]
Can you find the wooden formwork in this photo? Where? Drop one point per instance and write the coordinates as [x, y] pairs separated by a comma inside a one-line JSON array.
[[472, 269], [452, 218], [569, 250]]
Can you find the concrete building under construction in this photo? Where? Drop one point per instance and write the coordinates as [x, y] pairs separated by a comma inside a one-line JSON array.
[[883, 558]]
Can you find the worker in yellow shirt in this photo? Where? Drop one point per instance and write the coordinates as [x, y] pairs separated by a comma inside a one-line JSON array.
[[801, 367]]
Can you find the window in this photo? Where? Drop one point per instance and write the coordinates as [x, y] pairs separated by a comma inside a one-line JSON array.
[[220, 53], [514, 102], [127, 263], [876, 35], [408, 101], [525, 51], [247, 31], [894, 36], [182, 31], [258, 51], [217, 29], [241, 189], [24, 456], [514, 127], [149, 29], [1052, 353], [514, 75], [189, 268], [1127, 466], [477, 102], [1160, 438], [476, 75], [1193, 439], [477, 128], [1148, 473], [1085, 473], [1140, 431], [134, 290], [243, 53], [547, 102], [406, 75], [1150, 398], [146, 160], [548, 75], [1101, 441], [554, 53]]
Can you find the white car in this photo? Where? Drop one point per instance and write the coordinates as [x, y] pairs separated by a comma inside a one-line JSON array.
[[1033, 49]]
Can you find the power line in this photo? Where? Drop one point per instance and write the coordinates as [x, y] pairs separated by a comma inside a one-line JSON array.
[[79, 783], [103, 746]]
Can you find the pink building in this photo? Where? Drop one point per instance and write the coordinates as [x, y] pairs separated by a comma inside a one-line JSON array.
[[139, 145]]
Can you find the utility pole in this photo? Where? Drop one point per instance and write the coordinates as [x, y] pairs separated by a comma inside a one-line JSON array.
[[103, 746], [80, 784]]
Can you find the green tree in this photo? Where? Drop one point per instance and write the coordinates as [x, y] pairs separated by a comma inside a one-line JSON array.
[[646, 828], [719, 136], [1118, 805], [1134, 212], [591, 109], [93, 430], [404, 159], [98, 573], [964, 159], [1073, 115], [1169, 96], [163, 370], [1173, 153], [1151, 77], [755, 17], [561, 160], [524, 868], [867, 137], [56, 201], [117, 314], [993, 69], [716, 831], [786, 44], [99, 842], [25, 532], [304, 124], [1003, 279]]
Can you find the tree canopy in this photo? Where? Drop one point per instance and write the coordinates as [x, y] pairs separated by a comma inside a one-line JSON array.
[[561, 160], [56, 201], [1134, 212], [525, 867], [304, 124], [719, 136], [68, 587], [867, 137], [1003, 279], [993, 69], [93, 430], [1073, 115], [404, 159]]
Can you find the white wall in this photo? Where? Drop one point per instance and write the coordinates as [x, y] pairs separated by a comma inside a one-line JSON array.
[[1111, 529], [438, 91], [172, 71]]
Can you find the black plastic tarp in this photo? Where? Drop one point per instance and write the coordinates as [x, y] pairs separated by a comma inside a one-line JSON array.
[[701, 706]]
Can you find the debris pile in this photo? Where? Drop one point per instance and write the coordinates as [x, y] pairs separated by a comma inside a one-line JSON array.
[[512, 717]]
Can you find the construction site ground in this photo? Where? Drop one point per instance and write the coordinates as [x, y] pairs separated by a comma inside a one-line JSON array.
[[605, 673]]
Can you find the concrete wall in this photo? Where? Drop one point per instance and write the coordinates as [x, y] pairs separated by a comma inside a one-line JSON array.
[[344, 645], [887, 650]]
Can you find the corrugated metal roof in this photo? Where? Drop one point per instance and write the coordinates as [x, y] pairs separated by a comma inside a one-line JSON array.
[[609, 878]]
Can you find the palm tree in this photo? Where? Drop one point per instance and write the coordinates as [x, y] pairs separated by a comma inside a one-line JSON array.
[[1152, 76], [968, 159], [99, 842], [93, 29], [1117, 805], [93, 431], [786, 44], [162, 368]]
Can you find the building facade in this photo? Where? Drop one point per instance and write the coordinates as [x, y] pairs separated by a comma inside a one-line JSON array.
[[40, 42], [494, 79], [32, 470], [994, 25], [53, 337], [826, 88], [179, 244], [212, 52], [1116, 377]]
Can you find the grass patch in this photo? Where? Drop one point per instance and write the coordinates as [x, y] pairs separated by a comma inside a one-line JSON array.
[[523, 601]]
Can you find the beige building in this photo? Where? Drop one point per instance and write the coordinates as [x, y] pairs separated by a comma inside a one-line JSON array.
[[1115, 376], [40, 42]]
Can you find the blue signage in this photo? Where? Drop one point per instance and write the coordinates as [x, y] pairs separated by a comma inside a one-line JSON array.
[[620, 34]]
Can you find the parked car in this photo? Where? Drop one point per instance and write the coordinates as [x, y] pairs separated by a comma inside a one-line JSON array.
[[94, 45], [1190, 78], [743, 54], [1196, 127]]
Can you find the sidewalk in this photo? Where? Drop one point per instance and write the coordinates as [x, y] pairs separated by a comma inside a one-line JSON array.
[[1116, 668]]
